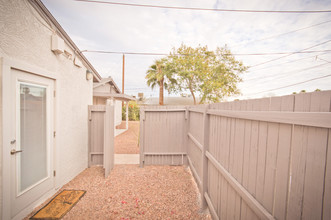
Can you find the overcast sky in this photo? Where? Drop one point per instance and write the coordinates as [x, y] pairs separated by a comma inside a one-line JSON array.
[[107, 27]]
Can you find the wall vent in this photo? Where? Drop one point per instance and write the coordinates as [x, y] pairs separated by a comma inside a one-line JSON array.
[[57, 44]]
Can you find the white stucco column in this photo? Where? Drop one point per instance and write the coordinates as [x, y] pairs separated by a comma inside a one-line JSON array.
[[111, 102], [127, 115]]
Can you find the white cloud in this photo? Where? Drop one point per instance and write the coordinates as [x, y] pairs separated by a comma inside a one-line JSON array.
[[135, 29]]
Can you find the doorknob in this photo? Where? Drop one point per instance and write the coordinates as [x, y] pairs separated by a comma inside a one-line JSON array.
[[13, 151]]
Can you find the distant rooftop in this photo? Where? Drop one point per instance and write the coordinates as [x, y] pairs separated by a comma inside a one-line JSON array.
[[168, 101]]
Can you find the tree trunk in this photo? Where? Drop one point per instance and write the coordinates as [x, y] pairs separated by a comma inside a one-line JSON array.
[[192, 93], [195, 102], [161, 92]]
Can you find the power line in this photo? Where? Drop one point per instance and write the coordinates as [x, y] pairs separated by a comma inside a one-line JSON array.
[[207, 9], [291, 61], [279, 53], [324, 60], [270, 90], [136, 89], [285, 73], [259, 64], [278, 35], [235, 54], [126, 53]]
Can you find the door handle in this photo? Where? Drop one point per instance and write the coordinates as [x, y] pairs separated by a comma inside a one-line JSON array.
[[13, 151]]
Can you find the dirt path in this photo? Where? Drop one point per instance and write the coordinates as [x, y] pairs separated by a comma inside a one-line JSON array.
[[130, 192], [127, 142]]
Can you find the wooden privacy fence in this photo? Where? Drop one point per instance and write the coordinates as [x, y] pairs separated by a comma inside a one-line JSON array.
[[162, 135], [255, 159], [101, 136]]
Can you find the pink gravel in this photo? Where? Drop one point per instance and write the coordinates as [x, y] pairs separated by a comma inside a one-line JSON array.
[[127, 142], [130, 192]]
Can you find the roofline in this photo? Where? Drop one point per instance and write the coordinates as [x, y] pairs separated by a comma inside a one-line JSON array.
[[41, 8], [109, 79], [120, 96]]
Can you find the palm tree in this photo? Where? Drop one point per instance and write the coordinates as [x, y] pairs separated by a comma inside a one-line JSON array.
[[160, 74]]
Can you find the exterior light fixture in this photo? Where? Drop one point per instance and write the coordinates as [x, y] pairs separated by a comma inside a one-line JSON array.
[[89, 75]]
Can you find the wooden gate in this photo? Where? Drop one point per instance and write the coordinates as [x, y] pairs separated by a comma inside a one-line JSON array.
[[101, 137]]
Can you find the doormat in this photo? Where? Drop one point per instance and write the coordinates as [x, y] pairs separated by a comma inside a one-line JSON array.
[[59, 205]]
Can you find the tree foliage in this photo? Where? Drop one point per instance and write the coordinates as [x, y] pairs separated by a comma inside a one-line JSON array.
[[209, 75], [212, 75], [159, 74], [134, 111]]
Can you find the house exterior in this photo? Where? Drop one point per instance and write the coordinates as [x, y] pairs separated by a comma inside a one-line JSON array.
[[46, 85], [107, 89]]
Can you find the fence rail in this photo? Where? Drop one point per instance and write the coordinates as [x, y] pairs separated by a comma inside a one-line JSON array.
[[256, 159]]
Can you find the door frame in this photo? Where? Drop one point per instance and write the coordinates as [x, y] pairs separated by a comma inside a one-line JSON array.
[[6, 66]]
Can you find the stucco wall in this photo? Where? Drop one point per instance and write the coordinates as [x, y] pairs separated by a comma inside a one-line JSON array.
[[102, 101], [103, 88], [118, 112], [25, 37], [99, 101]]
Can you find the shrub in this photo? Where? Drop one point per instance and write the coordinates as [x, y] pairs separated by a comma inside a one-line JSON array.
[[133, 111]]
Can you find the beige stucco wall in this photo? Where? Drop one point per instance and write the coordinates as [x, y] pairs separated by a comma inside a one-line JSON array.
[[25, 38], [118, 112], [103, 88], [99, 101], [117, 109], [102, 101]]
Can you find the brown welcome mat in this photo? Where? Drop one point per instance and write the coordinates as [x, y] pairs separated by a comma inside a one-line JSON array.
[[59, 205]]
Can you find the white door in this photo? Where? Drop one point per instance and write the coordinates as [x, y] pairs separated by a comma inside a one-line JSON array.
[[32, 148]]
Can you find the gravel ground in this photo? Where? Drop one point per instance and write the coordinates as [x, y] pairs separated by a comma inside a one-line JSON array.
[[130, 192], [127, 142]]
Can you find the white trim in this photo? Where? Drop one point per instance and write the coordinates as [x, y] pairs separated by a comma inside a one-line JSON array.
[[34, 205], [6, 65], [23, 66], [18, 83]]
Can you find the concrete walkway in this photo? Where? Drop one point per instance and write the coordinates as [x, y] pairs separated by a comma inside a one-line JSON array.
[[119, 131], [127, 142], [126, 158]]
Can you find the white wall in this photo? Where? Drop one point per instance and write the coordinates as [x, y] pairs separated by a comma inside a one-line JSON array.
[[25, 38], [118, 112]]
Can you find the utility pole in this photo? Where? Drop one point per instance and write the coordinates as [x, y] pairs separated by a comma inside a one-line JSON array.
[[123, 77]]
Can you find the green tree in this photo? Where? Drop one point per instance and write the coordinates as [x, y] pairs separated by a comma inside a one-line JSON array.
[[134, 111], [212, 75], [159, 74]]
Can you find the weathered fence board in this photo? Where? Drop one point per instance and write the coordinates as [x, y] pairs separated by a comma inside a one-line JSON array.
[[101, 136], [327, 186], [256, 159], [165, 143]]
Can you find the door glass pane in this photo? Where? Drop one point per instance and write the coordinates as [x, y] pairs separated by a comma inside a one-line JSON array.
[[32, 162]]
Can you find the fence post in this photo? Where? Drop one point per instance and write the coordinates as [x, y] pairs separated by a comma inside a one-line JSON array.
[[141, 136], [204, 178], [186, 130]]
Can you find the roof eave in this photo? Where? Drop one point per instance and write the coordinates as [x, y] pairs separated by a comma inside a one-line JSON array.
[[41, 8]]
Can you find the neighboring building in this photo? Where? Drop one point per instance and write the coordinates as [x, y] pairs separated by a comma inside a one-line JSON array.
[[107, 89], [46, 85], [168, 101]]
